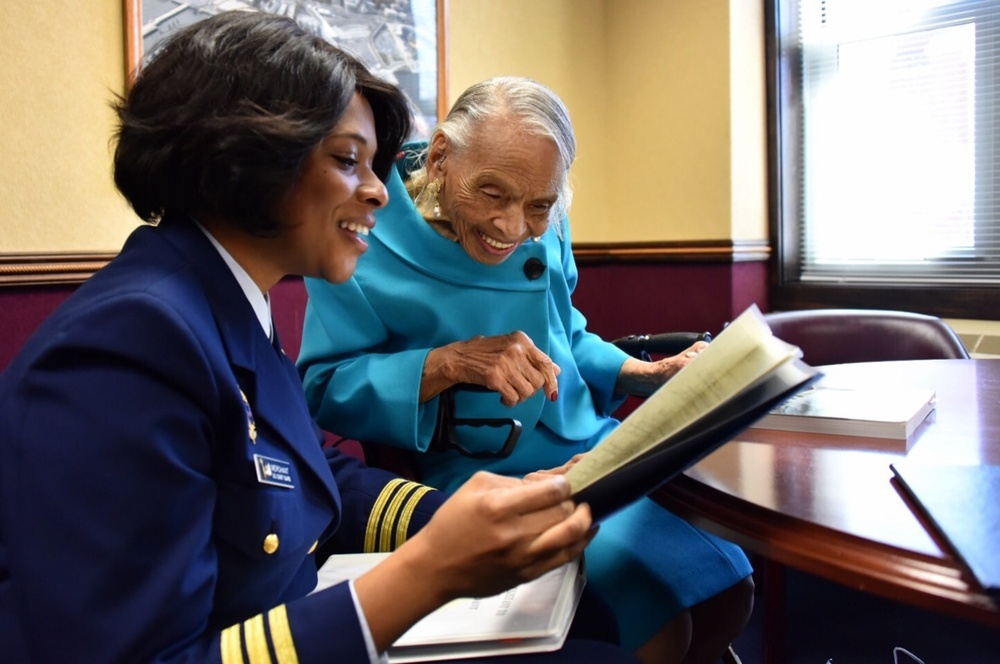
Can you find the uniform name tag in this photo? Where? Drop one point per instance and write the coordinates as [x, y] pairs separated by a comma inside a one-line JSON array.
[[273, 471]]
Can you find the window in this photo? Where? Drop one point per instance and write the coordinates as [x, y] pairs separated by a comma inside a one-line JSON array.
[[885, 169]]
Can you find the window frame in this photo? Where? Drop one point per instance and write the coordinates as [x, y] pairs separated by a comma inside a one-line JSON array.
[[787, 290]]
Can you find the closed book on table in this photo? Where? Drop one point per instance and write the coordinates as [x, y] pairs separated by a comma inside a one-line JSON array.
[[532, 617], [961, 505], [862, 411]]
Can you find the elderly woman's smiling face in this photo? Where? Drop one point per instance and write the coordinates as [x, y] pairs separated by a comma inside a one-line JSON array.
[[499, 191]]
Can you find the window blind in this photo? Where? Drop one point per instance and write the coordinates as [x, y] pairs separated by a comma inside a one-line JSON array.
[[900, 113]]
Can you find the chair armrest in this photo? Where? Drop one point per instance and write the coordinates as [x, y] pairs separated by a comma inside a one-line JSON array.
[[667, 343]]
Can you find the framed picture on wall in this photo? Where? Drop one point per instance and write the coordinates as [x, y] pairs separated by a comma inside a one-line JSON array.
[[402, 41]]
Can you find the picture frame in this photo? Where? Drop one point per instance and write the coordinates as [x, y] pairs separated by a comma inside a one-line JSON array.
[[403, 41], [415, 33]]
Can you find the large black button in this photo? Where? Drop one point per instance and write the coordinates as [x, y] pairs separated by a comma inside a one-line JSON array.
[[533, 268]]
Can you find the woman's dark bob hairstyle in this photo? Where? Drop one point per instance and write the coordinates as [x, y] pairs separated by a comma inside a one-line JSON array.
[[222, 118]]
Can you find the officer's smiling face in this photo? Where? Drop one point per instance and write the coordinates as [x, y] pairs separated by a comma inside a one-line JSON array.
[[330, 210]]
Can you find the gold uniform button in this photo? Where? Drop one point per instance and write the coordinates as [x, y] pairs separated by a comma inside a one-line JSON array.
[[313, 547], [270, 544]]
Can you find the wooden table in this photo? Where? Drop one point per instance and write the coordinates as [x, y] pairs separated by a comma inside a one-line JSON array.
[[828, 505]]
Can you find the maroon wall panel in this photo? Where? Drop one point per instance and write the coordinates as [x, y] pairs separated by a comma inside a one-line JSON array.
[[617, 299], [647, 298], [288, 308], [22, 309], [749, 286]]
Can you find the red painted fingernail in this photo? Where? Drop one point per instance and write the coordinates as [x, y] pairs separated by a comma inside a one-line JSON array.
[[554, 395]]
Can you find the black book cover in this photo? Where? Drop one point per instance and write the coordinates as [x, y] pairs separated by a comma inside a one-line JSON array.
[[962, 505]]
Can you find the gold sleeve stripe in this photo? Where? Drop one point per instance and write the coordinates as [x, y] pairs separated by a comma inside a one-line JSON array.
[[404, 518], [374, 519], [230, 646], [256, 640], [281, 636], [385, 538]]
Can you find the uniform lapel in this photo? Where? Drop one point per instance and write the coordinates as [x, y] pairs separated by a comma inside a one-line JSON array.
[[266, 376]]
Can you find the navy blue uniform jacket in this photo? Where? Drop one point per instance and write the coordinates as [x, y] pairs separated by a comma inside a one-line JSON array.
[[162, 485]]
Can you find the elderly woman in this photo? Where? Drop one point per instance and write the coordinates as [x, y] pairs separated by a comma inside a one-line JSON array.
[[468, 279], [138, 520]]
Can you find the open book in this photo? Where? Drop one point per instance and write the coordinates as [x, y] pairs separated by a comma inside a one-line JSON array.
[[737, 379], [863, 411], [531, 617]]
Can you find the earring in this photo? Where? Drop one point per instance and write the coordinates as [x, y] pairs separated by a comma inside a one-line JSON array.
[[434, 188], [536, 238]]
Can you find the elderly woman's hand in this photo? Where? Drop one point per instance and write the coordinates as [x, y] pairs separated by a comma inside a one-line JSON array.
[[558, 470], [509, 364], [643, 378]]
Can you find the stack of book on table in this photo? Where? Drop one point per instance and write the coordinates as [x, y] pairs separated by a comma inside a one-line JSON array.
[[873, 412]]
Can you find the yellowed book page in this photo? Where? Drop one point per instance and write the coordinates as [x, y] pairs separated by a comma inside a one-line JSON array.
[[738, 357]]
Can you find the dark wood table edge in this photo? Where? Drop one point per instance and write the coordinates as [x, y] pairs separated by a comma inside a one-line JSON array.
[[936, 584]]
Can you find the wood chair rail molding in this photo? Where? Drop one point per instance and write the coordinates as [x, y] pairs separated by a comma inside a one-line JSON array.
[[693, 251], [51, 268], [31, 269]]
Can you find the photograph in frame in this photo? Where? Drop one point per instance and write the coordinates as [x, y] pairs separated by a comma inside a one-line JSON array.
[[400, 41]]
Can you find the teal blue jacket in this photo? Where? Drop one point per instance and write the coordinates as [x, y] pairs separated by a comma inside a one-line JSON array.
[[365, 341]]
